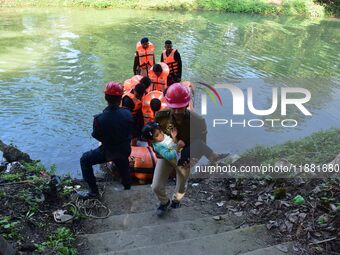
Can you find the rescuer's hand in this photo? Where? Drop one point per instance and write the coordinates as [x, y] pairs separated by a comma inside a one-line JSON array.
[[174, 133]]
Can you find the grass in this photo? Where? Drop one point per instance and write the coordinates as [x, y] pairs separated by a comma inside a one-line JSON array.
[[11, 177], [266, 7], [59, 243], [319, 148], [8, 228]]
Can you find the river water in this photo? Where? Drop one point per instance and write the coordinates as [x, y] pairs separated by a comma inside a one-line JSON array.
[[55, 62]]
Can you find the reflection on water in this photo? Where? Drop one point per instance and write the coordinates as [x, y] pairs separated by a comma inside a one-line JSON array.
[[54, 63]]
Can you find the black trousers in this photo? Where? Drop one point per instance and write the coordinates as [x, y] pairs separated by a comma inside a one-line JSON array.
[[97, 156]]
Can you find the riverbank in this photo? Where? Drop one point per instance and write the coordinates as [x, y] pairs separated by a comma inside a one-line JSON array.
[[31, 194], [307, 8]]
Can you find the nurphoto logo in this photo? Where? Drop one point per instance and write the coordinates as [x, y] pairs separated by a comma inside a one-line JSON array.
[[281, 98]]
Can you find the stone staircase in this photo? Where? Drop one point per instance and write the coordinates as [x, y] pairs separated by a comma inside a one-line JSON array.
[[134, 229]]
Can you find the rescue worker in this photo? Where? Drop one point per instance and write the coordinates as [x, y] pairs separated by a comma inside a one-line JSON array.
[[158, 75], [152, 103], [112, 128], [134, 80], [133, 101], [173, 59], [144, 57], [179, 118]]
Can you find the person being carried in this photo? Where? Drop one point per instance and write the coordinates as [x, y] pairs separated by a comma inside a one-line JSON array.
[[167, 147]]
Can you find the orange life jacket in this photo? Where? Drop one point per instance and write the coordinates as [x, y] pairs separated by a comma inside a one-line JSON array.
[[131, 83], [146, 57], [144, 161], [159, 82], [136, 101], [148, 113], [170, 61]]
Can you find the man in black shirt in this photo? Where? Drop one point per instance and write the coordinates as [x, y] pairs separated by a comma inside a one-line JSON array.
[[113, 129], [172, 58]]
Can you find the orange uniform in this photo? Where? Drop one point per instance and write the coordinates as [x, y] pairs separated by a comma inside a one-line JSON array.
[[148, 113], [159, 82], [131, 83], [146, 58]]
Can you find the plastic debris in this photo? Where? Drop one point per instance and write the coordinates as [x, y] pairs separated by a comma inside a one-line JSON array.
[[298, 200], [220, 204], [60, 216]]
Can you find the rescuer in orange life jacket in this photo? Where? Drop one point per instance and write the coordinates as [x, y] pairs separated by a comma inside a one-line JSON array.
[[173, 59], [158, 75], [144, 57], [153, 102], [133, 101], [134, 80]]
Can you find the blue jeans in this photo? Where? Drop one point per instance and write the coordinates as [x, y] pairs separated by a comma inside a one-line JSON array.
[[97, 156]]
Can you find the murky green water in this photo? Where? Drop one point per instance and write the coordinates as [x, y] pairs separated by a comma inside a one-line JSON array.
[[54, 63]]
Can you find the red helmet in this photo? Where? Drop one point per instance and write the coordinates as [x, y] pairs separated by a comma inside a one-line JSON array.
[[113, 88], [178, 96]]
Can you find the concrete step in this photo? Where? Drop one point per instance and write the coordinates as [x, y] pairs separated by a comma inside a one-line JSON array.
[[137, 220], [279, 249], [156, 234], [226, 243], [138, 199]]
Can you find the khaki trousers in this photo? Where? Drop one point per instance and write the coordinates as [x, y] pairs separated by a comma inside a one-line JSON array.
[[160, 179]]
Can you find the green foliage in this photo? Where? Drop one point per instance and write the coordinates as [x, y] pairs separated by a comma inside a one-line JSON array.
[[52, 170], [34, 168], [332, 7], [29, 199], [59, 242], [66, 181], [8, 228], [40, 182], [287, 7], [14, 177], [320, 147]]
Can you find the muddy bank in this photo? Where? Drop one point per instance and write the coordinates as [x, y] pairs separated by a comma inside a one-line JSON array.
[[29, 196]]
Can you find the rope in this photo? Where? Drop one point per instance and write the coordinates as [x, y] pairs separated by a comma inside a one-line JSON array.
[[92, 208]]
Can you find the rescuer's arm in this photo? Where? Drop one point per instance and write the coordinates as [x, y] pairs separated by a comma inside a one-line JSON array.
[[136, 64], [178, 59], [97, 133]]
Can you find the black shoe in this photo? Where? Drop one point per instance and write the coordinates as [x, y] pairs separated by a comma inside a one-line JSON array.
[[87, 194], [175, 204], [127, 186], [162, 209]]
